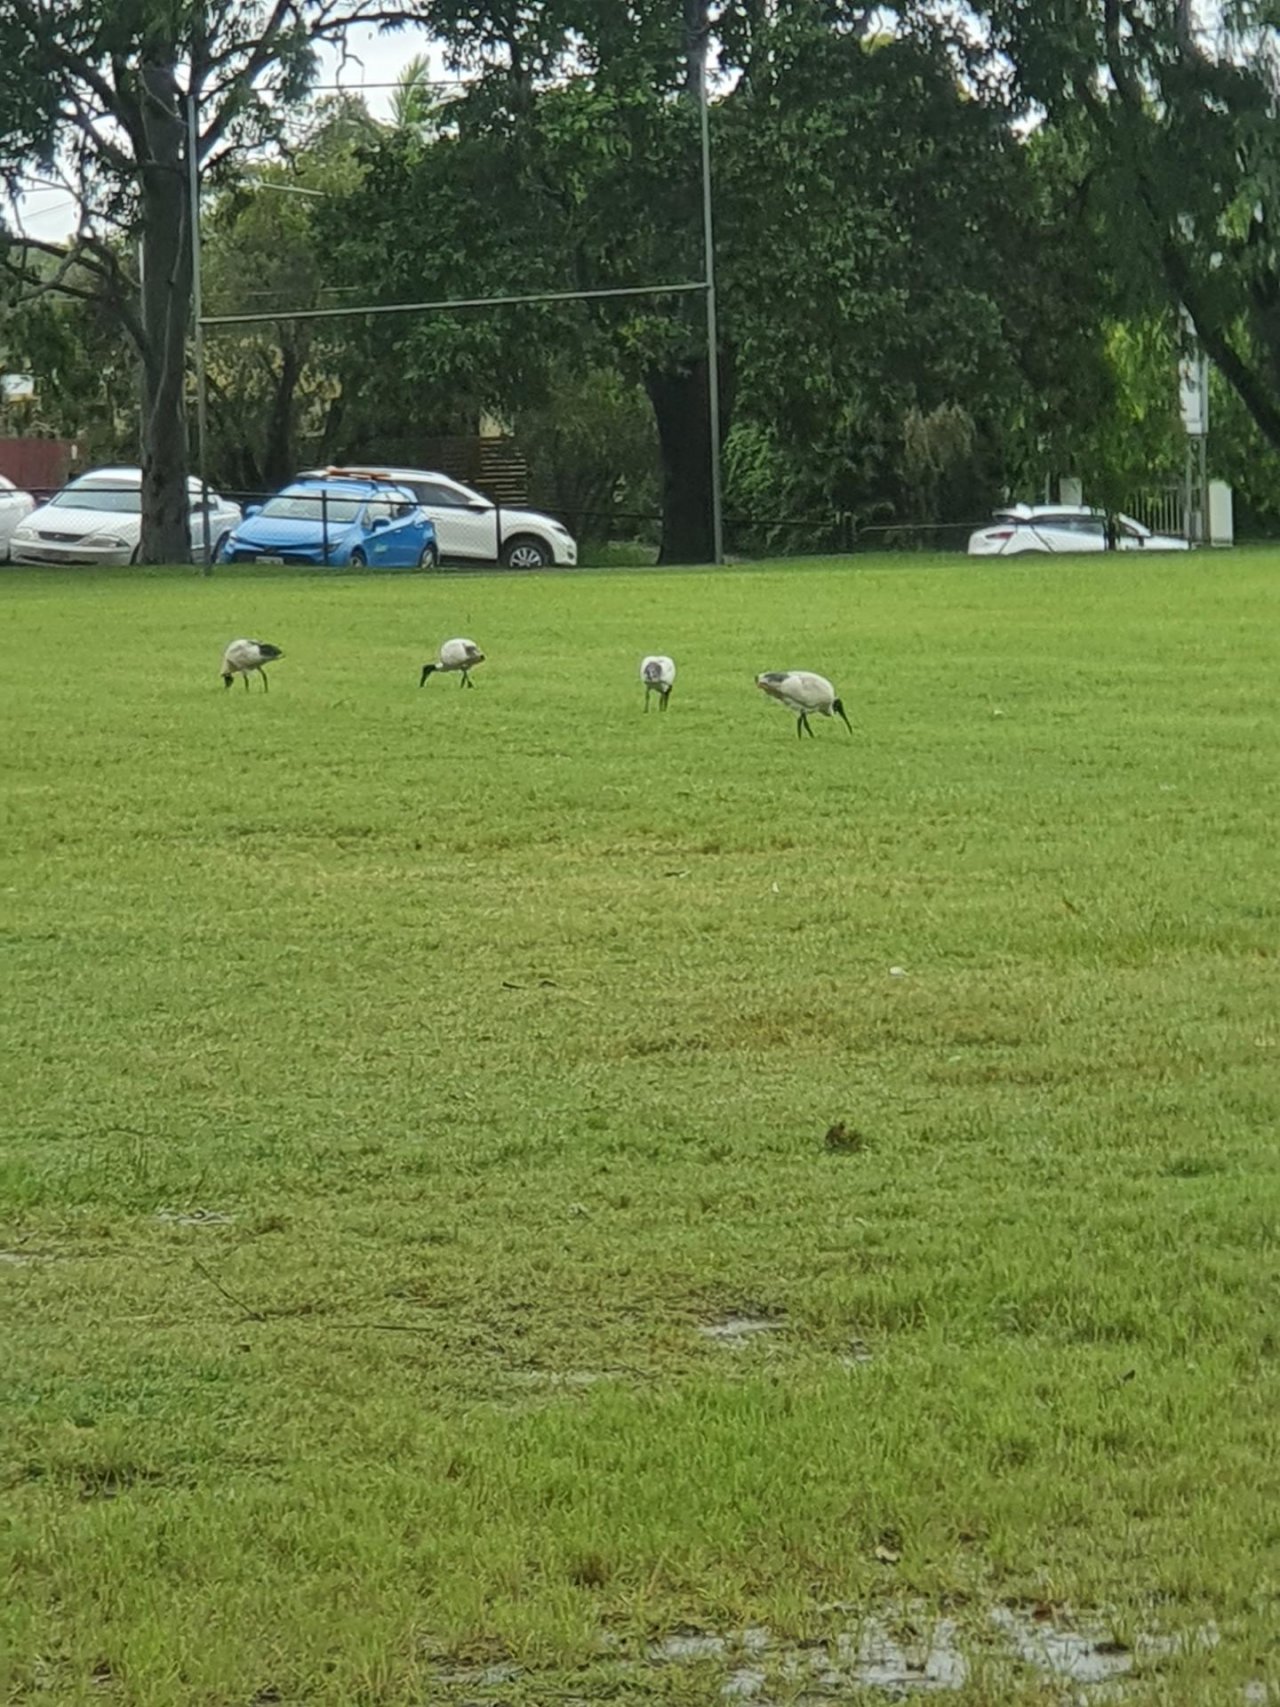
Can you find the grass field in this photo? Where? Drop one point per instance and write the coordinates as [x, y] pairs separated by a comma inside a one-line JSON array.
[[426, 1277]]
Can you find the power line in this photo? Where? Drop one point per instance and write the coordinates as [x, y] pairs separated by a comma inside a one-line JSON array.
[[466, 302], [397, 83]]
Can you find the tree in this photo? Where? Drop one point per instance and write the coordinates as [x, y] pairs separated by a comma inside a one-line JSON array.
[[1181, 150], [541, 177], [101, 91], [877, 233], [940, 320], [272, 387]]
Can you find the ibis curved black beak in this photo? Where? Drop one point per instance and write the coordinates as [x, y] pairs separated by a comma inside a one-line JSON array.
[[426, 671], [839, 711]]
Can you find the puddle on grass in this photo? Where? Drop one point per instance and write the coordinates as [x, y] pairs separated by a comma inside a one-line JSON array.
[[195, 1217], [479, 1677], [736, 1332], [1083, 1655], [702, 1645], [541, 1380], [883, 1660], [909, 1651], [900, 1651], [872, 1657]]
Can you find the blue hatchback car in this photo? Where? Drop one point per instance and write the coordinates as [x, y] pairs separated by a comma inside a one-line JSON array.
[[361, 523]]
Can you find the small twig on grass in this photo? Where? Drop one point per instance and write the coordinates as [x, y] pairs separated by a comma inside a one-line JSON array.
[[380, 1327], [250, 1313]]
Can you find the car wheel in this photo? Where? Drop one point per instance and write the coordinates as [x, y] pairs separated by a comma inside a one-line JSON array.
[[525, 552], [429, 557], [358, 560], [136, 554], [218, 547]]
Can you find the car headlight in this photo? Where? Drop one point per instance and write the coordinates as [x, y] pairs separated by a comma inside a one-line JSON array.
[[24, 534]]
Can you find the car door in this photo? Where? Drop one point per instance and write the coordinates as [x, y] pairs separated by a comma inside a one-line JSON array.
[[466, 524], [396, 532], [222, 518], [1072, 533]]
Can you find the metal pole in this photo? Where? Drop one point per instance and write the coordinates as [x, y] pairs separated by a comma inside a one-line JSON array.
[[1206, 534], [197, 304], [709, 275]]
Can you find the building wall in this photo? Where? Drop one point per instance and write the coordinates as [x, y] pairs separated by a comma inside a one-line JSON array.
[[37, 465]]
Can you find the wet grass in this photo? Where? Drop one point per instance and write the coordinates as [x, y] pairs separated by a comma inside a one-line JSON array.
[[429, 1273]]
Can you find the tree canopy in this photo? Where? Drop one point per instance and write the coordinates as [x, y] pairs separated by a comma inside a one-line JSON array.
[[1177, 116], [108, 95], [948, 250]]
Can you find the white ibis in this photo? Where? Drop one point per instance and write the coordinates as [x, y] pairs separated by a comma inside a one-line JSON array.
[[461, 655], [802, 692], [243, 657], [659, 676]]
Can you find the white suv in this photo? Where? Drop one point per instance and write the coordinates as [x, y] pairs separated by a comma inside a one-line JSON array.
[[469, 526], [1065, 527]]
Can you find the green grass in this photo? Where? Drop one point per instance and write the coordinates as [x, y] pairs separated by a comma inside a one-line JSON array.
[[496, 1034]]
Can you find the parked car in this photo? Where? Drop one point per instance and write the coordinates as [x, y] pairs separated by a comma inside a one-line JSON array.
[[472, 529], [1065, 527], [15, 504], [344, 520], [97, 518]]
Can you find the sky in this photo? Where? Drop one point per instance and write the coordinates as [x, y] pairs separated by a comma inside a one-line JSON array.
[[372, 59]]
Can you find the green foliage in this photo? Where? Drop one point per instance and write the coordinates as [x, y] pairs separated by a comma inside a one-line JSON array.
[[591, 454], [1179, 129], [86, 379], [273, 387], [882, 249], [110, 89]]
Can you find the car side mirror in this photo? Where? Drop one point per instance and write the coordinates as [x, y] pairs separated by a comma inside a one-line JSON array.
[[378, 522], [251, 510]]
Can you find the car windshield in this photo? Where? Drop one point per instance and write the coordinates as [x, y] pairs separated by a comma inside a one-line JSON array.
[[124, 500], [310, 506]]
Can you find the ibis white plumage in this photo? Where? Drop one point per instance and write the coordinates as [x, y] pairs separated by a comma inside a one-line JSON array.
[[659, 676], [459, 654], [801, 691], [243, 657]]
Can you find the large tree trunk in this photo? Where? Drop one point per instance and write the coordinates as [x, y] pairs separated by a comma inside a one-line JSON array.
[[680, 408], [166, 310]]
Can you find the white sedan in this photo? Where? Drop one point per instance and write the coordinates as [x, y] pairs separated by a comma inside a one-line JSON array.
[[1065, 527], [98, 519], [15, 505]]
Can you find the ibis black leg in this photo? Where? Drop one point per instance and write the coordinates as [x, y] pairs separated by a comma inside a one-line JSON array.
[[246, 681], [266, 686]]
